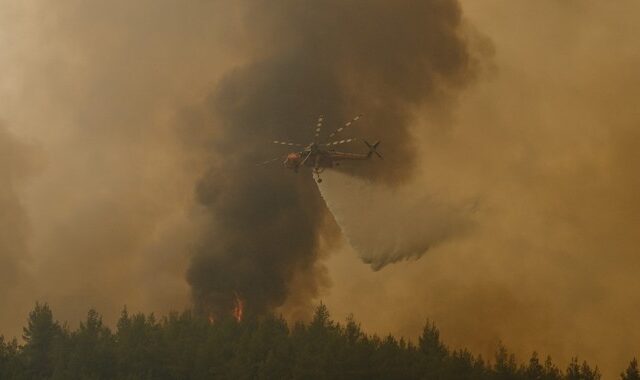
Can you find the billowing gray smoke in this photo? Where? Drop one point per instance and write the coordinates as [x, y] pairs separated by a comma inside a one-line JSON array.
[[336, 58]]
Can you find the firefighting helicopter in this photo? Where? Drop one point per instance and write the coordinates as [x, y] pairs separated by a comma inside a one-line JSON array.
[[321, 156]]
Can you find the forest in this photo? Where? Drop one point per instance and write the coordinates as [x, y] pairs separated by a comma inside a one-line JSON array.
[[191, 346]]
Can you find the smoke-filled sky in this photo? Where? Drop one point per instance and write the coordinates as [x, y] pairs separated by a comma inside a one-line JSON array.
[[265, 227], [509, 130]]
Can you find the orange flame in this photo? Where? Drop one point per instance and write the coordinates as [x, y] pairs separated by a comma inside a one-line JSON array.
[[238, 309], [211, 319]]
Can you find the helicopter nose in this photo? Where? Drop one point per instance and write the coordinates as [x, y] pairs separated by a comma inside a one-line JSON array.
[[292, 160]]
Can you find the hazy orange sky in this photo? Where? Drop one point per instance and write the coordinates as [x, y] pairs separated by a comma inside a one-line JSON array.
[[526, 188]]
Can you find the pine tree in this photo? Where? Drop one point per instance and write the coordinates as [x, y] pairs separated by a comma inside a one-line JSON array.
[[462, 365], [138, 346], [551, 372], [535, 370], [40, 336], [92, 350], [632, 372], [430, 344], [588, 373], [573, 370], [4, 358], [505, 367], [186, 346], [433, 351], [581, 372], [8, 358]]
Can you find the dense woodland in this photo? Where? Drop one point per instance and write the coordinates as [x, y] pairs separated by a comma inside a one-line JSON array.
[[188, 346]]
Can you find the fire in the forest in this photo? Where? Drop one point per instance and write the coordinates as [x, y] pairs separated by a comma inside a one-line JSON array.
[[238, 308]]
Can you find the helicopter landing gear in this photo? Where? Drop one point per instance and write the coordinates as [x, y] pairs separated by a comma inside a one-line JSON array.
[[317, 170]]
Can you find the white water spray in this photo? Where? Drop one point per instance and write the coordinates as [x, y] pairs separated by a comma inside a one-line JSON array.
[[386, 225]]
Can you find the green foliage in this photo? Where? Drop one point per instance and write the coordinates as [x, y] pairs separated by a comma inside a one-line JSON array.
[[89, 353], [505, 367], [44, 339], [10, 365], [537, 371], [189, 346], [581, 372], [632, 371]]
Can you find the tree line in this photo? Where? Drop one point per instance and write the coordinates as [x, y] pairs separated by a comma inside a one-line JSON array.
[[190, 346]]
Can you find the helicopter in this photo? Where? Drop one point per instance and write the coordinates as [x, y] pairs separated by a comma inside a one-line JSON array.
[[320, 156]]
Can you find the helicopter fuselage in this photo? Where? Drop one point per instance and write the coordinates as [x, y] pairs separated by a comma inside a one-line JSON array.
[[319, 158]]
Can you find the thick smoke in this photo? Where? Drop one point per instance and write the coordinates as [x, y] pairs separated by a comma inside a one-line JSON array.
[[334, 58], [99, 86], [548, 145], [102, 87]]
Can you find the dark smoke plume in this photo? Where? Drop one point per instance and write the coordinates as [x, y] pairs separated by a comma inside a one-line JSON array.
[[336, 58]]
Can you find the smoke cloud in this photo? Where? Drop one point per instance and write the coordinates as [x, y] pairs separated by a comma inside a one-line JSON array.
[[546, 144], [333, 58], [99, 87], [139, 180]]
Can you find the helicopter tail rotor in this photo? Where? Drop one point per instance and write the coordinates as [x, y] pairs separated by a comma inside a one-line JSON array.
[[373, 149]]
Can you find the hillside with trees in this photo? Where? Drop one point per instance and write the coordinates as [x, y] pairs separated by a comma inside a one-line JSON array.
[[189, 346]]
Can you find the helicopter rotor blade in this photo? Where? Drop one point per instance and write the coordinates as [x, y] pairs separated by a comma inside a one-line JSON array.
[[270, 161], [339, 142], [305, 159], [347, 124], [318, 127], [286, 143]]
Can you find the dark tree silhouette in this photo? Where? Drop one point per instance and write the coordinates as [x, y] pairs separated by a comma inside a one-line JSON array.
[[40, 336], [632, 371], [191, 346]]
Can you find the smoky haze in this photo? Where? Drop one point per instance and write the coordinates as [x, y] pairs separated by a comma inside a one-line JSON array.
[[108, 220], [546, 145], [17, 164], [120, 197], [334, 58]]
